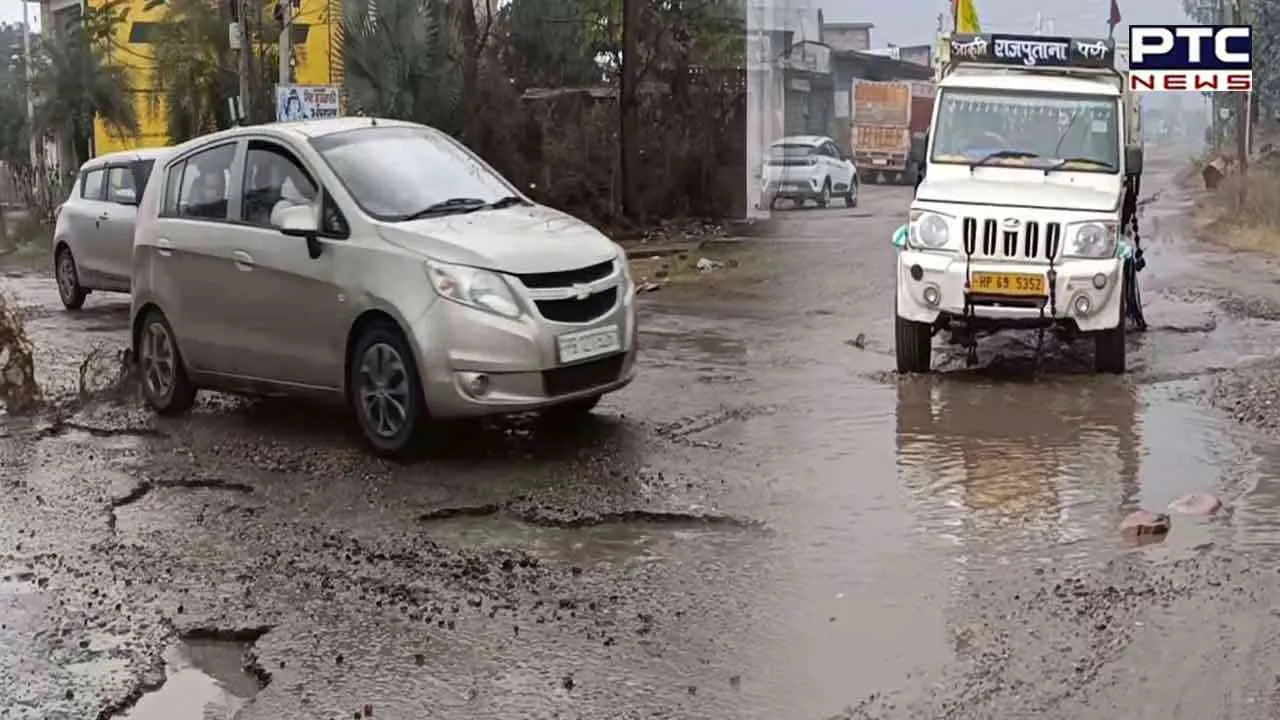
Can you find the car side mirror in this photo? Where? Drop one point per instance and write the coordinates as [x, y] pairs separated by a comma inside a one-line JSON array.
[[298, 221], [1133, 160]]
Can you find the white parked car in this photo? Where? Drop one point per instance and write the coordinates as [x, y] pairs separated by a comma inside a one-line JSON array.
[[93, 234], [809, 167]]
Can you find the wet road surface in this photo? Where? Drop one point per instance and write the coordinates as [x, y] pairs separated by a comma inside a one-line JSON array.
[[768, 524]]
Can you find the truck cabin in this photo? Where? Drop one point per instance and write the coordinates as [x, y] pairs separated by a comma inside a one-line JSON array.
[[1031, 104]]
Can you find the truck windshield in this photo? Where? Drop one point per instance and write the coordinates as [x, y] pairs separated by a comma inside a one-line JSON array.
[[1077, 133]]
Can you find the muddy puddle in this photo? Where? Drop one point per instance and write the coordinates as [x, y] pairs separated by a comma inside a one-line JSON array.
[[204, 680], [630, 538]]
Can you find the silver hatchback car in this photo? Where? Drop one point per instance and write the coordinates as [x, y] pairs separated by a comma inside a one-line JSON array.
[[93, 234], [375, 262]]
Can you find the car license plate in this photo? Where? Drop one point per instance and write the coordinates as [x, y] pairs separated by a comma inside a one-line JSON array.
[[576, 346], [880, 161], [1027, 285]]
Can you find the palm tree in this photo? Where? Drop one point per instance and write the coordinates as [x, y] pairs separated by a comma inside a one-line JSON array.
[[397, 61], [74, 81]]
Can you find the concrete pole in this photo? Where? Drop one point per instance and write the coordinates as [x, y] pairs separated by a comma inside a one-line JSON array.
[[27, 70], [286, 42], [242, 21], [1242, 112]]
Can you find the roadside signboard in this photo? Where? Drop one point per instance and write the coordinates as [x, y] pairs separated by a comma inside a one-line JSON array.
[[307, 102]]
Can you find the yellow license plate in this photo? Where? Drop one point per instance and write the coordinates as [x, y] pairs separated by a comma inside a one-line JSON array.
[[986, 283]]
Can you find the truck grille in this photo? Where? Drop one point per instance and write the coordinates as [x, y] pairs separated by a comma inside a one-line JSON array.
[[1030, 240]]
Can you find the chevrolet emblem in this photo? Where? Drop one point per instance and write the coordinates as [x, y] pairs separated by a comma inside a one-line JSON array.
[[581, 291]]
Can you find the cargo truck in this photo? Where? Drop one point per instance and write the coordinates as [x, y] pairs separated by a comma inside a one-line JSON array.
[[887, 119]]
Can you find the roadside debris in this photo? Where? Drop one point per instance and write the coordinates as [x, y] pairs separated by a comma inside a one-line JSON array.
[[19, 391], [705, 265], [1200, 504], [859, 342], [1143, 524]]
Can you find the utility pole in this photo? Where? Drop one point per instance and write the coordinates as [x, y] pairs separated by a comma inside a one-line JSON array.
[[1242, 112], [28, 75], [629, 156], [240, 17], [286, 42]]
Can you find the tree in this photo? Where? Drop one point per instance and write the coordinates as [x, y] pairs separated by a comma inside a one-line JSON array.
[[74, 80], [14, 132], [397, 61], [194, 68], [553, 43]]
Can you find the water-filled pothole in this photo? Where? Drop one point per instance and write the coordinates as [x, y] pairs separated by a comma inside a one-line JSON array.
[[204, 680]]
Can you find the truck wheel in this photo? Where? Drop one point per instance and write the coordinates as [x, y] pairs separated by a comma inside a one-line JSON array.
[[824, 199], [1108, 347], [913, 345]]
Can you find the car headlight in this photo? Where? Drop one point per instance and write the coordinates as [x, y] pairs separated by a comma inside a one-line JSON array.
[[1093, 240], [473, 287], [929, 231]]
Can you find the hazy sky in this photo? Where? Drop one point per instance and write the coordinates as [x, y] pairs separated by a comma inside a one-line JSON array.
[[915, 21], [912, 22], [11, 12]]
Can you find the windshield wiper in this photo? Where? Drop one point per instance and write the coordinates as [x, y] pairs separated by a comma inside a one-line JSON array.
[[447, 207], [504, 202], [1062, 163], [999, 154]]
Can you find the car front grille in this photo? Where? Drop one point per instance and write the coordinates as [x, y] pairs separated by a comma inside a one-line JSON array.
[[1030, 240], [573, 310], [567, 278], [583, 376]]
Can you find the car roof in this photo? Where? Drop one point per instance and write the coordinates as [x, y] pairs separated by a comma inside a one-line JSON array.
[[124, 156], [300, 130], [811, 140]]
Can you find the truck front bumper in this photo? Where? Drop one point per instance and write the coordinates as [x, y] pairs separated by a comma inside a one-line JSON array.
[[1087, 293]]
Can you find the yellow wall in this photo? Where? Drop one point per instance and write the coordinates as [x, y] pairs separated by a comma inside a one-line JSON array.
[[316, 65]]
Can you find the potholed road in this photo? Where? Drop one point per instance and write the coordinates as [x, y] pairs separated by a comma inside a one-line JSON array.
[[768, 524]]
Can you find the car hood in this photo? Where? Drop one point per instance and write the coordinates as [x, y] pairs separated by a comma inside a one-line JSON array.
[[516, 240], [1048, 195]]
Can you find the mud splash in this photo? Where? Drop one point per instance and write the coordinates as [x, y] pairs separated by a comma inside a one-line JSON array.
[[19, 391]]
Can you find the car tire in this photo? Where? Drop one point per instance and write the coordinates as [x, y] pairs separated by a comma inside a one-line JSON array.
[[385, 390], [163, 375], [571, 410], [70, 291], [913, 345], [1109, 346], [851, 197], [824, 199]]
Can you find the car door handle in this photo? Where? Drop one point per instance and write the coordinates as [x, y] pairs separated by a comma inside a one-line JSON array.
[[164, 247], [98, 223], [244, 261]]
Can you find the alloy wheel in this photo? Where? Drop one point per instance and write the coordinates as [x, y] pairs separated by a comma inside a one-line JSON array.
[[158, 361], [66, 275], [384, 390]]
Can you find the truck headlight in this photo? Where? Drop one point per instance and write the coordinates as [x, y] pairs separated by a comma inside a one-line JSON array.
[[929, 231], [473, 287], [1092, 240]]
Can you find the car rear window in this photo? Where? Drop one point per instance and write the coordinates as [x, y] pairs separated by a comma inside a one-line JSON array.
[[793, 151]]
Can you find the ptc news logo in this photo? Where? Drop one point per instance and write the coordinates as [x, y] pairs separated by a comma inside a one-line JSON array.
[[1205, 58]]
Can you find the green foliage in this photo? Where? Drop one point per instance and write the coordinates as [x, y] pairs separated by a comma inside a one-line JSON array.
[[14, 132], [75, 79], [195, 69], [554, 43], [397, 61]]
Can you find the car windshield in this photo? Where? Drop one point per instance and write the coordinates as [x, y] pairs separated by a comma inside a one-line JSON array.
[[1068, 132], [397, 172]]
